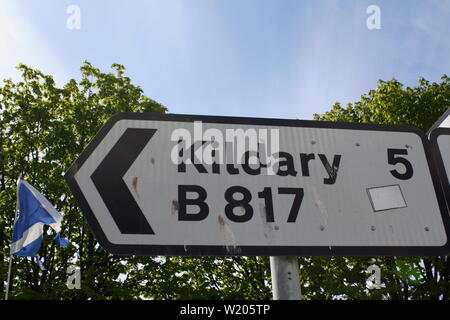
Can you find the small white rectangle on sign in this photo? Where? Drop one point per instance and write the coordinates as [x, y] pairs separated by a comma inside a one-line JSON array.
[[386, 198]]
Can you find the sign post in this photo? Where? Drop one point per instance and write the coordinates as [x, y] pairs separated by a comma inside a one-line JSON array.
[[285, 278]]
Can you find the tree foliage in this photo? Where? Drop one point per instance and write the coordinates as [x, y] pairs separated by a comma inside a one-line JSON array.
[[45, 127], [402, 277], [43, 130]]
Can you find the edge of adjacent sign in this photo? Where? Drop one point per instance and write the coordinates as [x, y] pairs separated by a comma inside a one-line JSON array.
[[121, 249], [434, 135], [439, 121]]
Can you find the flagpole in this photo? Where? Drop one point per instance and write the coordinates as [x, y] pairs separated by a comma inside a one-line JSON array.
[[10, 254]]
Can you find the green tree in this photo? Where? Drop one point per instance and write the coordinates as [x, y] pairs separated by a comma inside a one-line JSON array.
[[43, 130], [402, 277]]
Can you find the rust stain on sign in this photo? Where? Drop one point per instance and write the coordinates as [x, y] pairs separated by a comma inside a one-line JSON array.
[[221, 221], [135, 182], [230, 241], [175, 206]]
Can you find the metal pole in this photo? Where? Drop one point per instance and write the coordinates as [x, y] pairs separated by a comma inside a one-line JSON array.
[[10, 254], [9, 276], [285, 278]]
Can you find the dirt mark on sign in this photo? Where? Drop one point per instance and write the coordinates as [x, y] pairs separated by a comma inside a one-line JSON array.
[[175, 206], [135, 183], [230, 240], [268, 227]]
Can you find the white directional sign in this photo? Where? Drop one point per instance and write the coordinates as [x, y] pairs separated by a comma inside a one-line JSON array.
[[199, 185]]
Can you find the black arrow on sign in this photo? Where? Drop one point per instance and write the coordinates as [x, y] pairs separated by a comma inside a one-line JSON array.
[[108, 179]]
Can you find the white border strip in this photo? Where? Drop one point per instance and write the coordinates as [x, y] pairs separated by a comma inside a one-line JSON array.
[[30, 235]]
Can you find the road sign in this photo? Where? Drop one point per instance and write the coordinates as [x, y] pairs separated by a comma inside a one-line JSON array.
[[202, 185], [440, 140]]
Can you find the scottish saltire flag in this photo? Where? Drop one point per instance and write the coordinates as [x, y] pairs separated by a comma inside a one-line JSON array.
[[35, 211]]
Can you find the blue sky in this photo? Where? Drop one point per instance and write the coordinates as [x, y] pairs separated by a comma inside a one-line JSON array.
[[258, 58]]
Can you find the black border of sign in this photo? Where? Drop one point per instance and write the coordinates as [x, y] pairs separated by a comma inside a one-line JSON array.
[[434, 135], [254, 250]]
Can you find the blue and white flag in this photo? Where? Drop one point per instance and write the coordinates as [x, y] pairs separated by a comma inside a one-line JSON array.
[[35, 211]]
